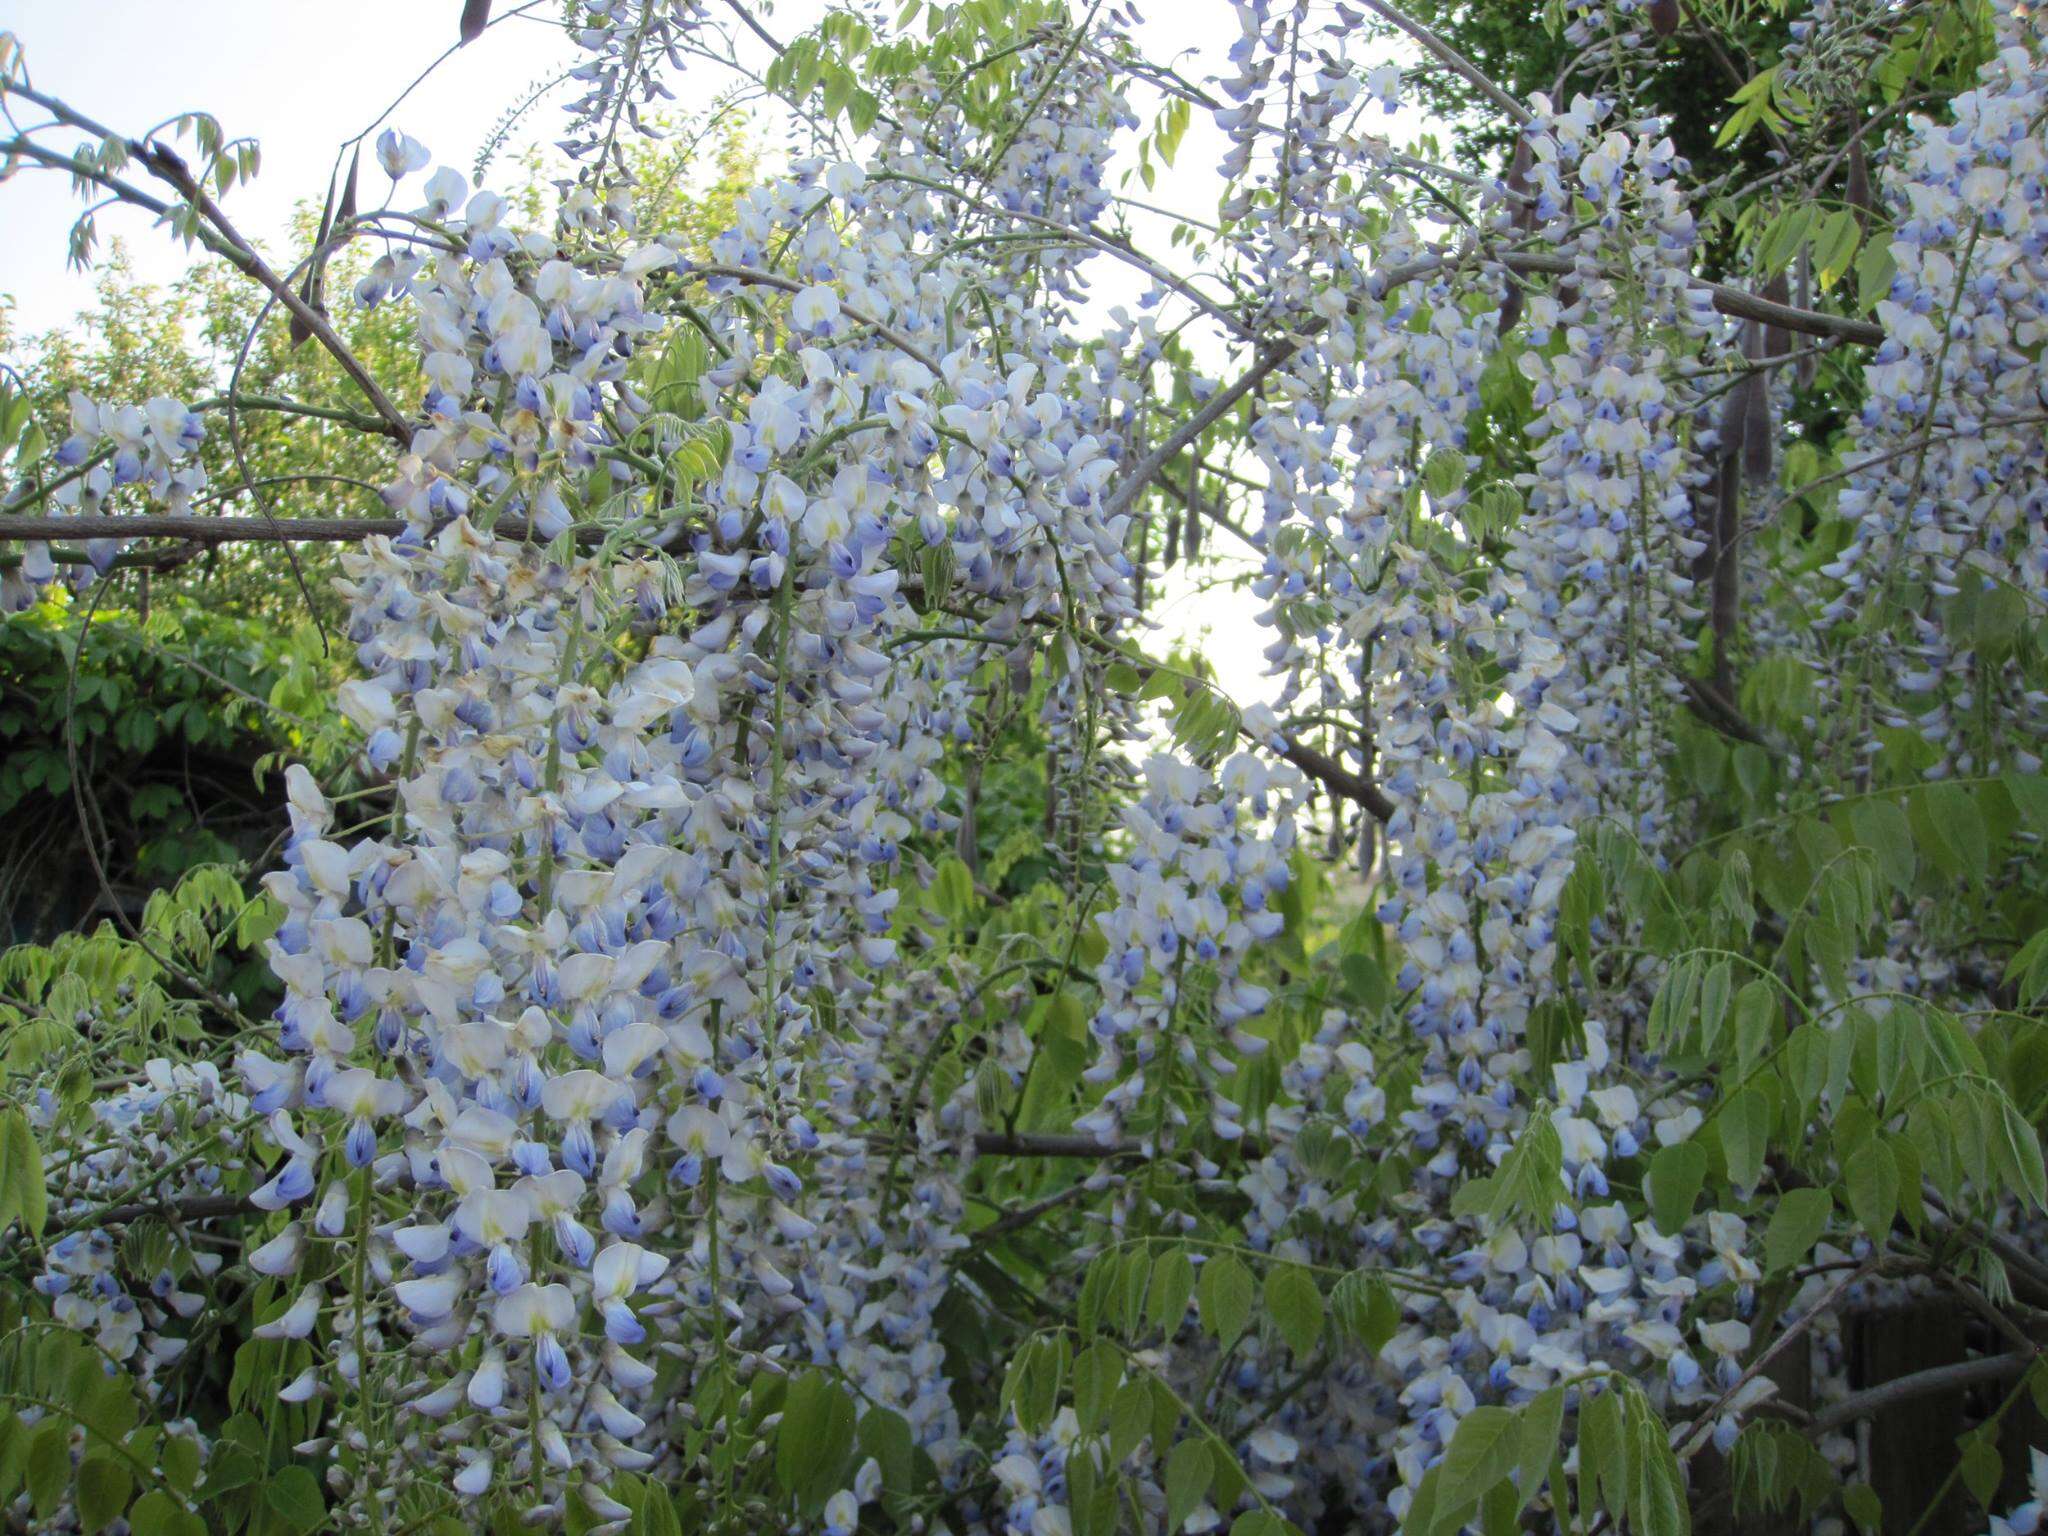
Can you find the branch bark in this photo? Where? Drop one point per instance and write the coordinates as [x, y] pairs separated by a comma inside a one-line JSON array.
[[236, 530], [1904, 1389], [164, 164]]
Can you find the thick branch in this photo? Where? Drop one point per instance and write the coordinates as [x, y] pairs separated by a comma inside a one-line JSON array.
[[1338, 779], [1736, 303], [1333, 775], [204, 530], [1451, 59], [1928, 1383], [167, 167], [1023, 1216], [1074, 1145], [223, 239], [760, 279], [1712, 706], [1220, 404], [191, 1208], [1050, 1144], [241, 530]]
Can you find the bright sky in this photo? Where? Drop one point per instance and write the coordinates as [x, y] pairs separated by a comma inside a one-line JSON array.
[[302, 76]]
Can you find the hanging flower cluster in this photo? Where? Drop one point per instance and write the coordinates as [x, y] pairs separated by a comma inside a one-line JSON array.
[[111, 447], [1196, 892], [1944, 492], [616, 1068], [136, 1297]]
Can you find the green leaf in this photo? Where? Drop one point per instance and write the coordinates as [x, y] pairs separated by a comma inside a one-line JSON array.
[[178, 1460], [21, 1169], [1982, 1468], [1677, 1173], [2029, 792], [1542, 1422], [1656, 1497], [158, 1514], [1671, 1009], [1428, 1512], [816, 1437], [1957, 840], [1906, 1158], [14, 1437], [1834, 244], [1603, 1457], [1297, 1307], [1364, 1310], [1862, 1505], [1783, 237], [1097, 1370], [1529, 1181], [1796, 1225], [1874, 272], [1137, 1280], [1225, 1292], [1872, 1177], [1745, 1127], [293, 1493], [1173, 1282], [951, 892], [236, 1461], [2026, 972], [48, 1469], [1714, 989], [1485, 1449], [1101, 1290], [1365, 981], [1130, 1419], [1444, 473], [2018, 1150], [1758, 1018], [1091, 1502], [103, 1489], [885, 1437], [1166, 1414], [1188, 1473]]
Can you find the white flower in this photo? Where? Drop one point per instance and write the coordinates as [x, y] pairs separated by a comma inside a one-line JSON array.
[[534, 1309], [400, 154], [297, 1320], [814, 308]]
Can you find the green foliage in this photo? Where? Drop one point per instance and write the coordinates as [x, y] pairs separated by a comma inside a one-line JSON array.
[[172, 719]]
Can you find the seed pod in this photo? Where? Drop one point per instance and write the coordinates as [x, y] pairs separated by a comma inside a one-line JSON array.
[[1859, 179], [1664, 17], [345, 212], [1166, 560], [1756, 406], [476, 15], [1191, 536], [1777, 340], [1735, 415], [1808, 366], [1517, 183], [1510, 309], [309, 290], [1756, 435]]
